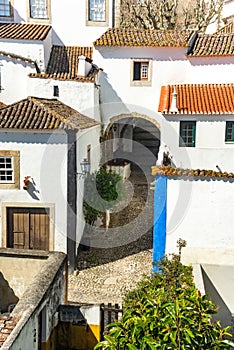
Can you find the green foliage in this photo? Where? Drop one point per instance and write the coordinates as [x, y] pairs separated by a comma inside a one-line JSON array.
[[102, 191], [166, 311]]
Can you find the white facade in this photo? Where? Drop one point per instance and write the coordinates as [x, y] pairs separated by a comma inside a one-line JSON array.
[[38, 51], [82, 96], [201, 212], [69, 20], [43, 157], [169, 66], [14, 78], [210, 149]]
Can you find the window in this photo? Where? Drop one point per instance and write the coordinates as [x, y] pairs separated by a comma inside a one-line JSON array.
[[141, 72], [5, 8], [56, 91], [6, 169], [97, 10], [229, 136], [9, 169], [38, 9], [187, 134]]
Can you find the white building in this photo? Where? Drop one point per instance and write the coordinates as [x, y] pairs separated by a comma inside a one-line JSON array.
[[44, 141], [138, 63], [73, 22]]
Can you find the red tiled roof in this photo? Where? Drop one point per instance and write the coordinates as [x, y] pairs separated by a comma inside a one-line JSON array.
[[7, 324], [147, 38], [63, 63], [213, 45], [179, 172], [21, 31], [198, 98], [39, 113]]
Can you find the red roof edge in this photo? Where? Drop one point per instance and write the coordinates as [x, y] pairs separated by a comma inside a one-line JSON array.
[[164, 100]]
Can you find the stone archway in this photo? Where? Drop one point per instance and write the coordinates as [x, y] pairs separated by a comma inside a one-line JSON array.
[[136, 138]]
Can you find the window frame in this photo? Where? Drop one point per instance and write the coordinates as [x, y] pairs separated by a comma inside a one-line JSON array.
[[11, 16], [15, 182], [143, 81], [182, 142], [90, 22], [232, 131], [39, 20]]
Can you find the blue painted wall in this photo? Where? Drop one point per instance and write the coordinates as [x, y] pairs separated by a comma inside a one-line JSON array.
[[160, 216]]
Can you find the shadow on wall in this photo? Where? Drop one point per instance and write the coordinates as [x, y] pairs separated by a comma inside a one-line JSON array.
[[111, 103], [7, 295]]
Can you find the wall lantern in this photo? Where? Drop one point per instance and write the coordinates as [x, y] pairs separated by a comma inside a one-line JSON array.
[[85, 167]]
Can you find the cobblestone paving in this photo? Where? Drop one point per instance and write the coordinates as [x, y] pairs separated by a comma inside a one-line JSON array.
[[107, 269]]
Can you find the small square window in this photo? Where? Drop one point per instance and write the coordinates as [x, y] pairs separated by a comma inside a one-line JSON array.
[[9, 169], [5, 8], [6, 169], [229, 135], [141, 72], [187, 134]]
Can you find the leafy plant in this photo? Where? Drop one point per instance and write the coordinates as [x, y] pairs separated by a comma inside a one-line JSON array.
[[102, 191], [167, 311]]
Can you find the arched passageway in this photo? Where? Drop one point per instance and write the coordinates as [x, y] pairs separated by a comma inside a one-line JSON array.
[[134, 139]]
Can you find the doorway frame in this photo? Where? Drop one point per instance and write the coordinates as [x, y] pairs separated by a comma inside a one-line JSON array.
[[50, 206]]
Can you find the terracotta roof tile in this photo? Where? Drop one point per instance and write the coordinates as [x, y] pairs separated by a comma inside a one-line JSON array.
[[39, 113], [21, 31], [147, 38], [213, 45], [198, 98], [63, 63], [7, 324], [197, 173]]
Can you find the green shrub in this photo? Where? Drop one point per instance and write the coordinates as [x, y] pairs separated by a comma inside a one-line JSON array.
[[102, 191], [165, 312]]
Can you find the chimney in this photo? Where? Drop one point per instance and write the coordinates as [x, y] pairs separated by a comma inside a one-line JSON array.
[[81, 65], [173, 108]]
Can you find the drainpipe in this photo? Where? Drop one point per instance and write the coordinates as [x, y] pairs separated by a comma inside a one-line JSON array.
[[71, 199]]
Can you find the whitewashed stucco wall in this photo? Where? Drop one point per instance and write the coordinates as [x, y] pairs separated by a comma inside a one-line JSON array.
[[43, 156], [35, 50], [201, 211], [169, 66], [83, 97], [211, 148], [14, 79], [74, 30], [68, 20], [84, 138], [117, 96]]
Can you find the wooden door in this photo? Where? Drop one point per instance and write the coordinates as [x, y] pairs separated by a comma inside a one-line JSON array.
[[28, 228]]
